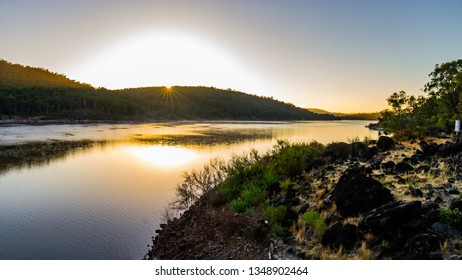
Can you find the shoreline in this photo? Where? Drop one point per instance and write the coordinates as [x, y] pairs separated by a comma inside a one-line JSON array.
[[420, 180]]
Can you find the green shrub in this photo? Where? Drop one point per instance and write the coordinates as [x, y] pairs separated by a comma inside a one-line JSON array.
[[277, 229], [252, 194], [293, 159], [451, 217], [315, 221], [275, 214], [239, 206], [285, 184]]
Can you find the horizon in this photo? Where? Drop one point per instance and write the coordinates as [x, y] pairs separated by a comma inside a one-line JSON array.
[[339, 57]]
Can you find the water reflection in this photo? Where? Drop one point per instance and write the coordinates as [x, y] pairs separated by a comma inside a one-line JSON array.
[[161, 156]]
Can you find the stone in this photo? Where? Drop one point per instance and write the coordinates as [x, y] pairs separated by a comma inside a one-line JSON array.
[[391, 216], [338, 151], [402, 168], [340, 234], [385, 143], [361, 151], [416, 192], [454, 191], [456, 204], [447, 149], [422, 169], [429, 150], [356, 193], [445, 230], [388, 166]]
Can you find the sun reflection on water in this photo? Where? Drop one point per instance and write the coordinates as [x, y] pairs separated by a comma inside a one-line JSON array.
[[162, 156]]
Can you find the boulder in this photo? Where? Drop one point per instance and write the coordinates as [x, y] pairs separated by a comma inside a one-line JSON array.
[[361, 151], [447, 149], [341, 235], [338, 151], [356, 193], [385, 143], [402, 168], [391, 216], [388, 166], [429, 149]]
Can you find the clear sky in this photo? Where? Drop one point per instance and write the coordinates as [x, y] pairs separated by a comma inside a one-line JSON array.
[[336, 55]]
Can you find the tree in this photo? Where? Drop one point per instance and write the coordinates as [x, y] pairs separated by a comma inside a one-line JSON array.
[[446, 87]]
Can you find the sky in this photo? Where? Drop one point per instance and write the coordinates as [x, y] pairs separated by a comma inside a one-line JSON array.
[[337, 55]]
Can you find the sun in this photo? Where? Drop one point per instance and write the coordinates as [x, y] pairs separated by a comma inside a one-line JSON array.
[[167, 58]]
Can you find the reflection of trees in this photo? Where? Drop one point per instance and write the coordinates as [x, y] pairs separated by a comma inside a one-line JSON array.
[[39, 153]]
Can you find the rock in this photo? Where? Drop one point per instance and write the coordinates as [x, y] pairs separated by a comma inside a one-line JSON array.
[[338, 151], [429, 150], [385, 143], [391, 216], [445, 230], [456, 204], [416, 192], [425, 245], [447, 149], [422, 169], [454, 191], [356, 193], [451, 180], [378, 251], [339, 234], [388, 167], [361, 151], [402, 168]]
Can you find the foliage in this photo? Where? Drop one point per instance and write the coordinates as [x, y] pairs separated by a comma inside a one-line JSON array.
[[252, 194], [451, 217], [315, 221], [275, 214], [239, 205], [277, 229], [293, 159], [412, 117], [33, 91]]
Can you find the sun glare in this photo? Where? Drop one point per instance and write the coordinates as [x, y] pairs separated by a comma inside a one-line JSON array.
[[161, 156], [167, 58]]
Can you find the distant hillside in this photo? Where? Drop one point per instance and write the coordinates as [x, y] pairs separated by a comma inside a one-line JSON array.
[[16, 75], [348, 116], [27, 91]]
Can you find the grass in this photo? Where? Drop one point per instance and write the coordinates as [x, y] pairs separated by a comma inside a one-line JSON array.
[[315, 221]]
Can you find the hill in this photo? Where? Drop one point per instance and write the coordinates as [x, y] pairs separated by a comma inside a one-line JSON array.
[[348, 116], [28, 91]]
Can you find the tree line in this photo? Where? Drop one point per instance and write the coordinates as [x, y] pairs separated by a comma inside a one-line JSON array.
[[412, 117], [28, 91]]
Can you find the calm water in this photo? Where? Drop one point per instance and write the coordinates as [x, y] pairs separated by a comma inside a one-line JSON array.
[[106, 202]]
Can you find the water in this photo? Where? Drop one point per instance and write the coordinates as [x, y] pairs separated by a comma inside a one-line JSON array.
[[107, 201]]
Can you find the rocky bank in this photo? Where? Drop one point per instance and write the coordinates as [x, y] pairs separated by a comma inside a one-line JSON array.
[[378, 200]]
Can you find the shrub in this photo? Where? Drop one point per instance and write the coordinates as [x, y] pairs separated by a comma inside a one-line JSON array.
[[293, 159], [239, 206], [277, 229], [315, 221], [451, 217], [252, 194], [275, 214]]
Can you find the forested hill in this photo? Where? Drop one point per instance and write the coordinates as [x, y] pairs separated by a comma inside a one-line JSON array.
[[27, 91], [16, 75]]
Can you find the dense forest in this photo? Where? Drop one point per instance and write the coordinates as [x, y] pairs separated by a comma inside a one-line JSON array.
[[348, 116], [28, 91], [412, 117]]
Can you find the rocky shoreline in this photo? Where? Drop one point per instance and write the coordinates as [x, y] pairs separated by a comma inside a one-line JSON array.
[[378, 200]]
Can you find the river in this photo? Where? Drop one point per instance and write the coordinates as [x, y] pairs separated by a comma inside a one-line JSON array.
[[105, 202]]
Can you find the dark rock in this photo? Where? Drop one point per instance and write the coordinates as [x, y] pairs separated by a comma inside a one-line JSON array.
[[290, 217], [388, 166], [452, 180], [430, 149], [378, 251], [416, 192], [339, 234], [454, 191], [361, 151], [428, 187], [401, 180], [385, 143], [456, 204], [422, 169], [391, 216], [376, 164], [414, 159], [356, 193], [338, 151], [295, 201], [446, 230], [402, 168], [447, 149], [426, 245], [332, 218]]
